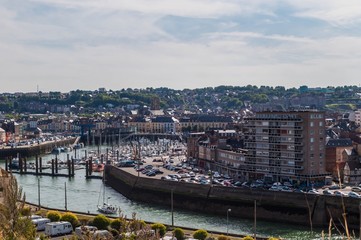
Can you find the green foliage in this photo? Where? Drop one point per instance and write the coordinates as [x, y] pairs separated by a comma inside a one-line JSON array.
[[136, 225], [26, 211], [247, 238], [70, 217], [43, 237], [222, 237], [12, 225], [114, 232], [273, 238], [101, 222], [54, 216], [178, 233], [159, 228], [116, 224], [200, 234]]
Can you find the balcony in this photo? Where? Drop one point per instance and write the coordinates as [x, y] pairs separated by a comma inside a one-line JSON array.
[[299, 167]]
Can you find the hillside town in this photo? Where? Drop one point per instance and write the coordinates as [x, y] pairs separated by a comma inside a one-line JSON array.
[[303, 141]]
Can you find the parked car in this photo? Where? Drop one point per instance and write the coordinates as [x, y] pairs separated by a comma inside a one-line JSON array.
[[274, 188], [339, 193], [354, 195], [288, 184], [356, 189], [327, 192], [313, 191], [286, 189]]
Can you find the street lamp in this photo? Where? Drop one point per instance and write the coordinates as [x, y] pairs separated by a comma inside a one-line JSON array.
[[228, 211]]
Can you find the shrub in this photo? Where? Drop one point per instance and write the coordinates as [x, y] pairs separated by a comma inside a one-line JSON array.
[[178, 233], [70, 217], [136, 225], [101, 222], [114, 232], [25, 211], [273, 238], [54, 216], [159, 228], [222, 237], [200, 234], [116, 224], [247, 238]]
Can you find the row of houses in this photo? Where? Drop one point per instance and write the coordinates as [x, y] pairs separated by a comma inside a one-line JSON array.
[[16, 130]]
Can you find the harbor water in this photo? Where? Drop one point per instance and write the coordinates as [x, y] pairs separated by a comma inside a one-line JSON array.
[[85, 194]]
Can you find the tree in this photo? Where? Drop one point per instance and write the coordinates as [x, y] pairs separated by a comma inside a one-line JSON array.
[[159, 228], [101, 222], [54, 216], [178, 233], [200, 234], [12, 225], [70, 217]]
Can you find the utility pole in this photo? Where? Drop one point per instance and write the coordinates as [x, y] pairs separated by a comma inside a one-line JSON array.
[[39, 193], [255, 219], [66, 200], [171, 200], [359, 208]]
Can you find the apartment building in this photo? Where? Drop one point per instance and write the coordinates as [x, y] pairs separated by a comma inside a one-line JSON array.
[[286, 146]]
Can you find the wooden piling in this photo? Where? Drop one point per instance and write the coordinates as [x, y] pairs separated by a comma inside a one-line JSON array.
[[72, 167], [40, 164], [36, 165], [86, 168], [56, 164], [21, 165], [90, 171], [25, 165], [52, 167]]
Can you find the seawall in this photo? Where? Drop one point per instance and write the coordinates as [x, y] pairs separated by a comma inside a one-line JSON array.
[[296, 208]]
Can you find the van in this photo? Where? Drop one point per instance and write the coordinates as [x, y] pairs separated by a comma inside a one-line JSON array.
[[40, 223], [83, 231], [102, 234], [58, 228]]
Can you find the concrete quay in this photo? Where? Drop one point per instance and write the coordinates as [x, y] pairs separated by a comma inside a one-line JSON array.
[[35, 149], [290, 207]]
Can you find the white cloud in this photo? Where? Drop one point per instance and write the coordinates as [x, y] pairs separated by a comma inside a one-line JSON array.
[[188, 8], [333, 11], [118, 44]]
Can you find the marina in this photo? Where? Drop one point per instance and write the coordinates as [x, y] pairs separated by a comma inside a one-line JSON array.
[[83, 194]]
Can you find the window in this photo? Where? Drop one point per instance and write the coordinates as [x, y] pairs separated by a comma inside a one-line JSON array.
[[312, 140], [312, 131], [311, 124], [321, 124]]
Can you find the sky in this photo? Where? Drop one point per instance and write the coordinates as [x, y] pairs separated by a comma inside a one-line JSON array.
[[63, 45]]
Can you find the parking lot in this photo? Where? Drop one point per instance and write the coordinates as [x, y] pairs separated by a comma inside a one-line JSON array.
[[178, 169]]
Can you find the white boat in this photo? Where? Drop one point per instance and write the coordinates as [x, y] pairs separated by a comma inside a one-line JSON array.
[[106, 207]]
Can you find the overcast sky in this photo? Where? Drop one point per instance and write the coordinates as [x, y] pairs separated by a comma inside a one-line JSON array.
[[62, 45]]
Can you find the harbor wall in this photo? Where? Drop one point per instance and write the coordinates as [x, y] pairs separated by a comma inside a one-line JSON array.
[[296, 208], [35, 149]]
